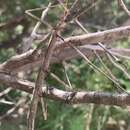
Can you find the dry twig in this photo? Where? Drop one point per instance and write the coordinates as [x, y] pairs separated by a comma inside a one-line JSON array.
[[123, 6], [24, 60], [34, 34], [66, 75], [59, 80], [59, 95], [108, 71], [99, 70], [5, 92], [119, 67], [37, 89]]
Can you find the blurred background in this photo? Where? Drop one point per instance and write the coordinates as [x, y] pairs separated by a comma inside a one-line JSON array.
[[16, 27]]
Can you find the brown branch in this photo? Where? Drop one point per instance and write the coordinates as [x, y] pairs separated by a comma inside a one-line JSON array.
[[76, 97], [104, 36], [15, 83], [34, 102], [30, 60], [39, 80], [27, 59]]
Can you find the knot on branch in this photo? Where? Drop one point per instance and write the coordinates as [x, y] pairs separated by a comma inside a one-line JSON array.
[[69, 97]]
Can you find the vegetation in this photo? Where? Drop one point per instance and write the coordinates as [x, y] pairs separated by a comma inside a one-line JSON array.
[[24, 55]]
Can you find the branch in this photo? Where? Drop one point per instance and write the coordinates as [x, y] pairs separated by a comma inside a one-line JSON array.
[[64, 96], [104, 36], [39, 80], [33, 35], [28, 60], [15, 83]]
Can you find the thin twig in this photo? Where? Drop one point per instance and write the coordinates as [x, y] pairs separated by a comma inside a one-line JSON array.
[[6, 102], [55, 94], [89, 116], [99, 43], [90, 7], [44, 108], [123, 6], [5, 92], [81, 26], [66, 75], [59, 80], [33, 35], [37, 89], [108, 70], [63, 5], [36, 18], [119, 67], [96, 68], [105, 116]]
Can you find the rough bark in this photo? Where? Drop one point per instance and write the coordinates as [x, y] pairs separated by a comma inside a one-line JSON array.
[[67, 96]]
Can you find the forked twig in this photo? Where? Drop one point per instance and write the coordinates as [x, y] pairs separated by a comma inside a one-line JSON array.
[[34, 34], [28, 12]]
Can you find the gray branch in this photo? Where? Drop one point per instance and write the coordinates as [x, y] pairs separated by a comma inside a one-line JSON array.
[[62, 51], [68, 96], [29, 60]]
